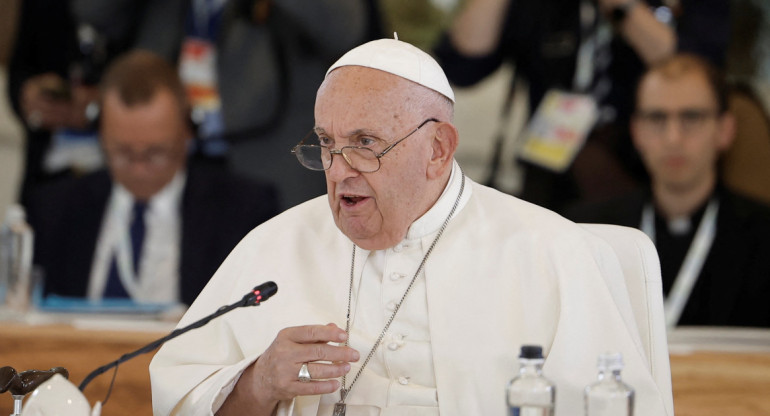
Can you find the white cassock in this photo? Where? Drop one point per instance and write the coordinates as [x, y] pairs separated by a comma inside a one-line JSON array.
[[504, 273]]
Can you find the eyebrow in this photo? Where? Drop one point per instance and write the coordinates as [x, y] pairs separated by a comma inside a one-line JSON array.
[[354, 133]]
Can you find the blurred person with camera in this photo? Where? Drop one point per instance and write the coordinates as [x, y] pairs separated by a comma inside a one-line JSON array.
[[156, 225], [249, 67], [53, 75], [589, 52]]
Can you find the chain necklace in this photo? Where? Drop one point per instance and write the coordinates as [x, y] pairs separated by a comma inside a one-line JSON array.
[[340, 407]]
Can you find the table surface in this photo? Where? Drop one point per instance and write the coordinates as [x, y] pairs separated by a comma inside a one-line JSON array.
[[80, 352], [720, 371], [732, 378]]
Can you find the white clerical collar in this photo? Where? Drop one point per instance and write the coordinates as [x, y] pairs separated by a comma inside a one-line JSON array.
[[679, 226], [431, 221], [165, 201]]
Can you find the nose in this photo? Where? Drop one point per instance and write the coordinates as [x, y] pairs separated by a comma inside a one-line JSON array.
[[139, 169], [672, 133], [340, 169]]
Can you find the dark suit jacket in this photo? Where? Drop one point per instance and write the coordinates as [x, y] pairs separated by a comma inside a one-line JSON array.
[[218, 210], [733, 288]]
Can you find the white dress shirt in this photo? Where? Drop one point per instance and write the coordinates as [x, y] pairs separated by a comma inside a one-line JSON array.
[[158, 277]]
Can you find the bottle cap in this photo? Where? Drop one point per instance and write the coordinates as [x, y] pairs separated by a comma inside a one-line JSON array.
[[610, 361], [531, 352]]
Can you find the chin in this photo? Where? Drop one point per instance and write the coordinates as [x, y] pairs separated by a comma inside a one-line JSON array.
[[141, 194], [361, 237], [373, 241], [372, 245]]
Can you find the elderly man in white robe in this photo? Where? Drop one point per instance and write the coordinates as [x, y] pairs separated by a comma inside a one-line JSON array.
[[414, 296]]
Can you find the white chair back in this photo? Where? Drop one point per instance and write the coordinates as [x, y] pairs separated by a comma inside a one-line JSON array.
[[638, 259]]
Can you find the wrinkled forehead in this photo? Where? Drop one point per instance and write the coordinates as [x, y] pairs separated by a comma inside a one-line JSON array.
[[362, 83], [354, 93]]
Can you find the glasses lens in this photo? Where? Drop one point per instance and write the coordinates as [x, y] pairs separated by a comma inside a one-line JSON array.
[[653, 120], [312, 157], [693, 120], [361, 159], [156, 158]]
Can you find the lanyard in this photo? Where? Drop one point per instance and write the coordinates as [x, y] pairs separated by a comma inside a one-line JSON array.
[[693, 261], [595, 34]]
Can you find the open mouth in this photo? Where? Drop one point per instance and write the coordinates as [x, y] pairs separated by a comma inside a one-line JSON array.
[[352, 200]]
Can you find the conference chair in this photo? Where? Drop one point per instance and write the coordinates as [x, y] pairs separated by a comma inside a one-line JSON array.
[[641, 286], [745, 167]]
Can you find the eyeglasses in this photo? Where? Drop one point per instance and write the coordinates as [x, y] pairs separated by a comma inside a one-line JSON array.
[[360, 158], [121, 157], [689, 120]]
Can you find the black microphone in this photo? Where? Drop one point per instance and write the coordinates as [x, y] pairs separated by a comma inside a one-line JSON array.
[[256, 296]]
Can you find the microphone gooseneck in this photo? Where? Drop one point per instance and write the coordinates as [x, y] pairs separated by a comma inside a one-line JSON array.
[[254, 297]]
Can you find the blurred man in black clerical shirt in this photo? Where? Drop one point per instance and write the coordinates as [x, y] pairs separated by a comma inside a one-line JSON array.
[[712, 243]]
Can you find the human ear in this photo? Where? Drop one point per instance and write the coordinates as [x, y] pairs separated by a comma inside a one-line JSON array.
[[443, 145]]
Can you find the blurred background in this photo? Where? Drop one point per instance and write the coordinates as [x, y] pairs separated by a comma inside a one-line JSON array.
[[251, 69], [423, 22]]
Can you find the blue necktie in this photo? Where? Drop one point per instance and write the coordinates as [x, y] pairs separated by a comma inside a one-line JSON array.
[[114, 288]]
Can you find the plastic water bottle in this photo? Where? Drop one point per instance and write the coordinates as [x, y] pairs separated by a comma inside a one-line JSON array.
[[15, 260], [530, 393], [609, 395]]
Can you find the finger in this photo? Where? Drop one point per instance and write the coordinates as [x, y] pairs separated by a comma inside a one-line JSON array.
[[315, 387], [282, 381], [325, 371], [326, 352], [315, 333]]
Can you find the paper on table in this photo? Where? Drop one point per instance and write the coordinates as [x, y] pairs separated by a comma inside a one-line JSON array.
[[54, 303]]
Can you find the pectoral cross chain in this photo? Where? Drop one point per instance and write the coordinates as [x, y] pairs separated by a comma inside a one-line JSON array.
[[339, 409]]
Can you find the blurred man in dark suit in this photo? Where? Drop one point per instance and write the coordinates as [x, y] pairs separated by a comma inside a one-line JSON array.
[[157, 224], [712, 243]]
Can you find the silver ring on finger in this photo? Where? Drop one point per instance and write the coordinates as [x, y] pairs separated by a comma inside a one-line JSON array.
[[304, 374]]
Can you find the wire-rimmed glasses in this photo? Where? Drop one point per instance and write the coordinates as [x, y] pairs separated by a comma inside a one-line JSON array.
[[360, 158], [155, 157], [690, 120]]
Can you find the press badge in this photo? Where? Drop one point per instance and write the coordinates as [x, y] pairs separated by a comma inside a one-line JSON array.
[[78, 150], [197, 69], [558, 129]]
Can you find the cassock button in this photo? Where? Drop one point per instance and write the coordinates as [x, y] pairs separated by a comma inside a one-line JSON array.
[[403, 380], [391, 306], [393, 346], [397, 276], [398, 247]]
